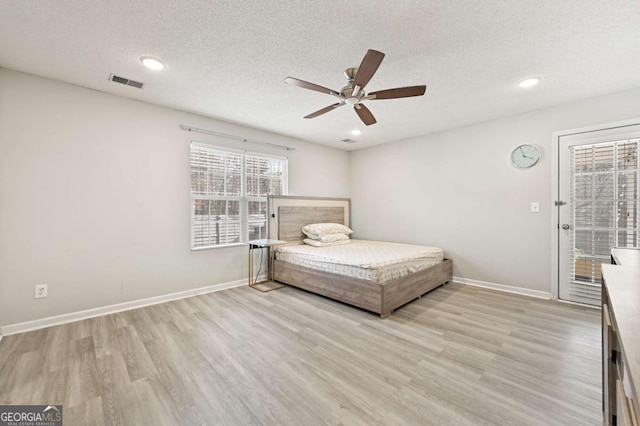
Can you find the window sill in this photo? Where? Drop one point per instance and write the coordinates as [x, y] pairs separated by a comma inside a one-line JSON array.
[[221, 246]]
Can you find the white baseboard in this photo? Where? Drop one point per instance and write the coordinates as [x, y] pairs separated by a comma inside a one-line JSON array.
[[506, 288], [584, 305], [111, 309]]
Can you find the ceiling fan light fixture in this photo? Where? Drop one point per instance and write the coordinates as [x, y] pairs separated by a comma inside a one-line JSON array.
[[529, 82], [152, 63], [352, 100], [356, 132]]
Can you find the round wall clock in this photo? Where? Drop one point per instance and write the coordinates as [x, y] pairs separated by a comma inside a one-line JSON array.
[[525, 156]]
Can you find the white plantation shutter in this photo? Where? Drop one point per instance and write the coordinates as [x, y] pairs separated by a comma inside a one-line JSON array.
[[604, 190], [229, 192]]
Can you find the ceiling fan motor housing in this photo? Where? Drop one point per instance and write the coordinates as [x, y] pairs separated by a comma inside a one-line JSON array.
[[346, 91]]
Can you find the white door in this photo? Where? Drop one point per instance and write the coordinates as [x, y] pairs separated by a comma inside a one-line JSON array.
[[599, 182]]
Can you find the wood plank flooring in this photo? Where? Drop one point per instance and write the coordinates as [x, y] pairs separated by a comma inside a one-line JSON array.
[[460, 355]]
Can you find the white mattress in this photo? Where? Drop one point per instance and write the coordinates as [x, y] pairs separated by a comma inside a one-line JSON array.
[[374, 261]]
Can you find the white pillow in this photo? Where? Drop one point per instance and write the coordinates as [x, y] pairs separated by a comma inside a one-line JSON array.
[[317, 230], [330, 238], [317, 243]]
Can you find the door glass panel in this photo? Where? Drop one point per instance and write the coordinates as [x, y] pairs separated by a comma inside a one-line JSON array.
[[604, 190]]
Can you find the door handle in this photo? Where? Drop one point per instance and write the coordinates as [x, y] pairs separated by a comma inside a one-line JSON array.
[[566, 226]]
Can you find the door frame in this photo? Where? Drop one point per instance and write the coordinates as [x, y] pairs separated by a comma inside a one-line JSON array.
[[555, 190]]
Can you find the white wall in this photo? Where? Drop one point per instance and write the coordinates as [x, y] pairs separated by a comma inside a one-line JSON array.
[[94, 197], [457, 190]]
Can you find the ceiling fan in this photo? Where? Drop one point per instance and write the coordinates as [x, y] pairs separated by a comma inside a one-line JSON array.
[[353, 93]]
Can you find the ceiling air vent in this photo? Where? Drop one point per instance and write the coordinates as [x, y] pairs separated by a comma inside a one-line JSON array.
[[126, 81], [348, 140]]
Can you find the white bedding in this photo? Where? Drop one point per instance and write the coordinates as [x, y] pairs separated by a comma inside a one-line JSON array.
[[374, 261]]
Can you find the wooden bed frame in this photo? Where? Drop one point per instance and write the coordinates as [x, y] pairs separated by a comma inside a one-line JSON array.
[[287, 215]]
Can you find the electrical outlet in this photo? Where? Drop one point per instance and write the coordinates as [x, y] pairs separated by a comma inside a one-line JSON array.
[[41, 291]]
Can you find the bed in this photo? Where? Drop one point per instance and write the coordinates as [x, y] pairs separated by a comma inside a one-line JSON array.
[[370, 277]]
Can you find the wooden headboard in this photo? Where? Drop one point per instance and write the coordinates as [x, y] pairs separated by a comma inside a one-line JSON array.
[[288, 214]]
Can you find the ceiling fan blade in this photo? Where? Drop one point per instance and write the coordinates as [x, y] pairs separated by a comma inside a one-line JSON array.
[[324, 110], [400, 92], [370, 63], [310, 86], [365, 115]]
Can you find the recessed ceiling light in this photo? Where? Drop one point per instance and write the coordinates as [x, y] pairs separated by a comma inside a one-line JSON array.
[[356, 132], [152, 63], [529, 82]]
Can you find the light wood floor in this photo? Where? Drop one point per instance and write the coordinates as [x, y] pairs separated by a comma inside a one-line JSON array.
[[460, 355]]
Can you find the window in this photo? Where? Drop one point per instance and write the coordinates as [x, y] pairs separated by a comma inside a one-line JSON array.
[[605, 189], [229, 194]]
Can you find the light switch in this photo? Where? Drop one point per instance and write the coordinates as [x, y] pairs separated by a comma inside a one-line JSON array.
[[535, 207]]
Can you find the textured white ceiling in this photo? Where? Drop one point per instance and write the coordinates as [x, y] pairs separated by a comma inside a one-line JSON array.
[[228, 59]]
